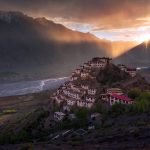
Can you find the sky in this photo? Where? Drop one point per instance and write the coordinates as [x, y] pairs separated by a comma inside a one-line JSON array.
[[116, 20]]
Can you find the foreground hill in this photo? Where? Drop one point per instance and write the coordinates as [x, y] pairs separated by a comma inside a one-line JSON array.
[[43, 47], [138, 56]]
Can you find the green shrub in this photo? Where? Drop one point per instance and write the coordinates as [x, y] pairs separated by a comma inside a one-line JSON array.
[[134, 93]]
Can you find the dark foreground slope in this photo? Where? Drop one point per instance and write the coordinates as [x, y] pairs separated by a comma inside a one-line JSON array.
[[29, 46]]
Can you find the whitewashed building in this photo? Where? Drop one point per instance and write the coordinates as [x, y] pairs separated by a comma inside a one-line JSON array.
[[89, 104], [98, 64], [71, 102], [114, 91], [59, 116], [74, 78], [58, 99], [84, 74], [78, 71], [122, 67], [114, 98], [81, 103], [84, 86], [92, 91], [132, 72], [90, 98], [75, 88]]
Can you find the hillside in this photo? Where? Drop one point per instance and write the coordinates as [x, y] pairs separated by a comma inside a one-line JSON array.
[[29, 46], [114, 77], [91, 83], [146, 73], [138, 56], [112, 74]]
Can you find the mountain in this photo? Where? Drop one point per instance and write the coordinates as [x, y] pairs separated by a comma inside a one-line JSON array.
[[120, 47], [37, 47], [139, 56]]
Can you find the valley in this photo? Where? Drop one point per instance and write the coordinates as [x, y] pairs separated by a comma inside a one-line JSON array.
[[62, 88], [26, 87]]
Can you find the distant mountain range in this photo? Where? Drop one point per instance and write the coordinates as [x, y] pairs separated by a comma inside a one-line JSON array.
[[37, 47], [139, 56]]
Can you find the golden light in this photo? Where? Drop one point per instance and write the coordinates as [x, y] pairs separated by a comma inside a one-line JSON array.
[[143, 38]]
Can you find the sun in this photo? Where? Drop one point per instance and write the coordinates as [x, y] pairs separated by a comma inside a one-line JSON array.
[[144, 38]]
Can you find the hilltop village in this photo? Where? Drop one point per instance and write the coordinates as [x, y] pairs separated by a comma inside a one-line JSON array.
[[83, 90]]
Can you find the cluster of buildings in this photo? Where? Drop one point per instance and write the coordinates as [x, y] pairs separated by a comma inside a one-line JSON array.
[[116, 95], [81, 94], [75, 95], [131, 71], [84, 71]]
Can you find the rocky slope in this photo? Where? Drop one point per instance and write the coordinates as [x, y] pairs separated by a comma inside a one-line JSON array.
[[112, 76]]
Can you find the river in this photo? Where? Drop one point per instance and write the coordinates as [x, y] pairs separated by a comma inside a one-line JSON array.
[[26, 87]]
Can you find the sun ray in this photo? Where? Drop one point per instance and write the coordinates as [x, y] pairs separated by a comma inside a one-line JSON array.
[[144, 38]]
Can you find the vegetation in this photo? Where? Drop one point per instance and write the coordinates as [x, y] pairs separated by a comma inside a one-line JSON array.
[[134, 93], [32, 126], [8, 111], [98, 107], [22, 129], [141, 105], [111, 74], [82, 113]]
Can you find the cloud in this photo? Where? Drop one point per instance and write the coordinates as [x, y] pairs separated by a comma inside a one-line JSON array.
[[118, 13], [84, 15]]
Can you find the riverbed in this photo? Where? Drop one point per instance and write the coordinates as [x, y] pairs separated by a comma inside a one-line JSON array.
[[26, 87]]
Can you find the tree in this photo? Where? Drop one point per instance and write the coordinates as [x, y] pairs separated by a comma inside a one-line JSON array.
[[143, 102], [118, 109], [82, 113], [134, 93], [98, 107], [82, 116]]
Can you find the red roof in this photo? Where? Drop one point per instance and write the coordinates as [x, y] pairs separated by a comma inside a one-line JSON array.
[[122, 97]]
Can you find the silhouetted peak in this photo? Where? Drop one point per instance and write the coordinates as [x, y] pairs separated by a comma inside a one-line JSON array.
[[43, 20], [9, 16]]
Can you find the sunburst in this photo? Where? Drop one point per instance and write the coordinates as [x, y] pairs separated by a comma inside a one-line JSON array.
[[144, 38]]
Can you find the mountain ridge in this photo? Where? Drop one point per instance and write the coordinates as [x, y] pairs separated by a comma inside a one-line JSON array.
[[37, 47], [139, 56]]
